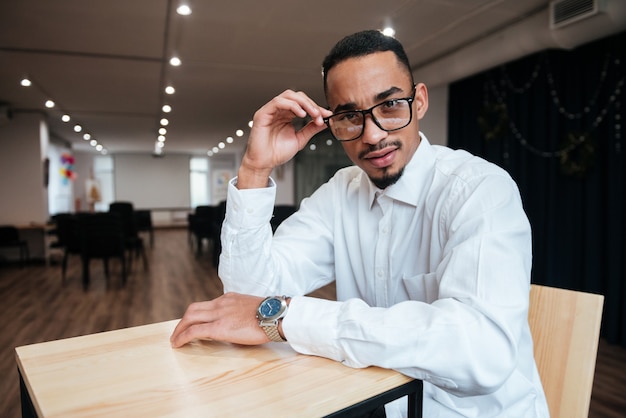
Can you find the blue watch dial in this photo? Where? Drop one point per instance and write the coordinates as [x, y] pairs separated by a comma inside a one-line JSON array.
[[270, 307]]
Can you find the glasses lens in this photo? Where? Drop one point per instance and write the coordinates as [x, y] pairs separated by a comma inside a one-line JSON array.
[[346, 126], [393, 114]]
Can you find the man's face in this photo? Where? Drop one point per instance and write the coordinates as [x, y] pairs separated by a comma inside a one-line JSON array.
[[360, 83]]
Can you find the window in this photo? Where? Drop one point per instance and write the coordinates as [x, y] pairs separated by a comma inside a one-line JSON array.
[[103, 174], [199, 181]]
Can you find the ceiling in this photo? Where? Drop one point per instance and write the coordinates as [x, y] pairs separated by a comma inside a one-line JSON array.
[[105, 62]]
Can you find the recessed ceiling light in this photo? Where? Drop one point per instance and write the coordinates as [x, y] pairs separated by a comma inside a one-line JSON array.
[[162, 131], [389, 31], [230, 139], [170, 90], [99, 147], [86, 137], [216, 150], [49, 104], [221, 145], [93, 142], [164, 122], [167, 108], [250, 124], [183, 10], [25, 82], [78, 128], [161, 138], [209, 153], [65, 118], [239, 132], [175, 61]]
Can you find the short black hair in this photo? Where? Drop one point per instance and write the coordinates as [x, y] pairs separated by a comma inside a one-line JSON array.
[[364, 43]]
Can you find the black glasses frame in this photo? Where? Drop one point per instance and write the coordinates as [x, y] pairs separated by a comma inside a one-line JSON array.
[[369, 111]]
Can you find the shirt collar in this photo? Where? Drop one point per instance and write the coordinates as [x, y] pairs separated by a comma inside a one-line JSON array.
[[415, 179]]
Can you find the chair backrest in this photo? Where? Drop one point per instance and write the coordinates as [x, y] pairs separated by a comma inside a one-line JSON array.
[[9, 234], [102, 235], [127, 215], [565, 326]]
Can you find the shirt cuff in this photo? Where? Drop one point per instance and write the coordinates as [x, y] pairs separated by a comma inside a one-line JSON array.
[[313, 337], [250, 208]]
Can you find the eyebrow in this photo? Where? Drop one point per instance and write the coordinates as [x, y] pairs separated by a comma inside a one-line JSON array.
[[379, 97]]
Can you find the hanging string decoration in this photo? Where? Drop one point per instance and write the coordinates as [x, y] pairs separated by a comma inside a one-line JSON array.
[[577, 149], [67, 168]]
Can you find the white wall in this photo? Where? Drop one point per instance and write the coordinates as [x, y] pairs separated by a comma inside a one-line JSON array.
[[23, 144], [435, 123]]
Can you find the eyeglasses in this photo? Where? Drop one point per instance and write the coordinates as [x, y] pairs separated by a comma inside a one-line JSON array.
[[389, 115]]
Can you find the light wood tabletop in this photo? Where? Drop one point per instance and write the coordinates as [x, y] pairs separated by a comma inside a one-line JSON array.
[[135, 372]]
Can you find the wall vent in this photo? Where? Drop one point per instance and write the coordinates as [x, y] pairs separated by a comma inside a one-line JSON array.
[[565, 12]]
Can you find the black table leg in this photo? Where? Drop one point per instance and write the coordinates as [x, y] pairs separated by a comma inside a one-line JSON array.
[[28, 409]]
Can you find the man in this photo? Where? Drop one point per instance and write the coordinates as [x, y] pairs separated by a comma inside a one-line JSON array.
[[430, 248]]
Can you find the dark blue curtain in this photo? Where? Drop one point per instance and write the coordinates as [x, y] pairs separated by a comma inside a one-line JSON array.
[[555, 122]]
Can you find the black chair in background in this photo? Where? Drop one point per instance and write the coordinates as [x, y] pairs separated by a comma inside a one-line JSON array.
[[281, 212], [102, 236], [68, 238], [206, 224], [10, 238], [143, 223], [134, 242], [201, 224]]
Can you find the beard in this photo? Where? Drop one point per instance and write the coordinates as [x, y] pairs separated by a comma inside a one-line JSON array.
[[387, 179]]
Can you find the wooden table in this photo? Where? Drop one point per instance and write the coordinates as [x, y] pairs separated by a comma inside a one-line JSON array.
[[134, 372]]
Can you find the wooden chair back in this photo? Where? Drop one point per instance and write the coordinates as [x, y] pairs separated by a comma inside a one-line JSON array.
[[565, 326]]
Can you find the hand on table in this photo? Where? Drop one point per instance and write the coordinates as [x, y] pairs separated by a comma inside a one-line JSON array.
[[231, 317]]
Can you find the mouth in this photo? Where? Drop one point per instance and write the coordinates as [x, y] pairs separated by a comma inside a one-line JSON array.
[[381, 158]]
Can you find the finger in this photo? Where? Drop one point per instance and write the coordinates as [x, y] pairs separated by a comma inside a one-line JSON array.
[[193, 332], [301, 105], [196, 313]]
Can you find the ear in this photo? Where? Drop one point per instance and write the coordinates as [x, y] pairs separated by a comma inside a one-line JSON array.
[[421, 100]]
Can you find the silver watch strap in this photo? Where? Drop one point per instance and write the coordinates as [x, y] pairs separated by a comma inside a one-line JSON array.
[[272, 333]]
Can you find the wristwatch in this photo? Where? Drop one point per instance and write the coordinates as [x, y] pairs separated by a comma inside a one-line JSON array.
[[269, 312]]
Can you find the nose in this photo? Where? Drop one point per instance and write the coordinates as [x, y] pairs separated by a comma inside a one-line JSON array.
[[372, 134]]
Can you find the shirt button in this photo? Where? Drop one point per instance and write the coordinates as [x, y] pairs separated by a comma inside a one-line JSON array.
[[379, 273]]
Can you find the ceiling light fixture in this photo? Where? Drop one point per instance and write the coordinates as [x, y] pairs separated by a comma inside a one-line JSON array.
[[65, 118], [389, 31], [164, 122], [167, 108], [49, 104], [175, 61], [230, 139], [162, 131], [239, 132], [86, 137], [26, 82], [78, 128], [183, 10], [170, 90]]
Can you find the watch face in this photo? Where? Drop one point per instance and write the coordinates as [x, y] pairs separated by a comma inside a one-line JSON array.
[[270, 308]]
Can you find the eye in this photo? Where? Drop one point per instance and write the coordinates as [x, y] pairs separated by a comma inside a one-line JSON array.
[[348, 117], [390, 104]]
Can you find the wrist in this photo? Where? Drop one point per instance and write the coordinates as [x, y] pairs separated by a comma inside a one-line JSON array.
[[252, 178]]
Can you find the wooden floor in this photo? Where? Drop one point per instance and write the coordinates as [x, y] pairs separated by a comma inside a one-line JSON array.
[[36, 307]]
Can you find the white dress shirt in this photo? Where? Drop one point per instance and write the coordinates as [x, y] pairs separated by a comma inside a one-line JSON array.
[[432, 277]]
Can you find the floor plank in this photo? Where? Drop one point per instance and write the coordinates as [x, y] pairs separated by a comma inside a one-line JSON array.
[[37, 307]]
